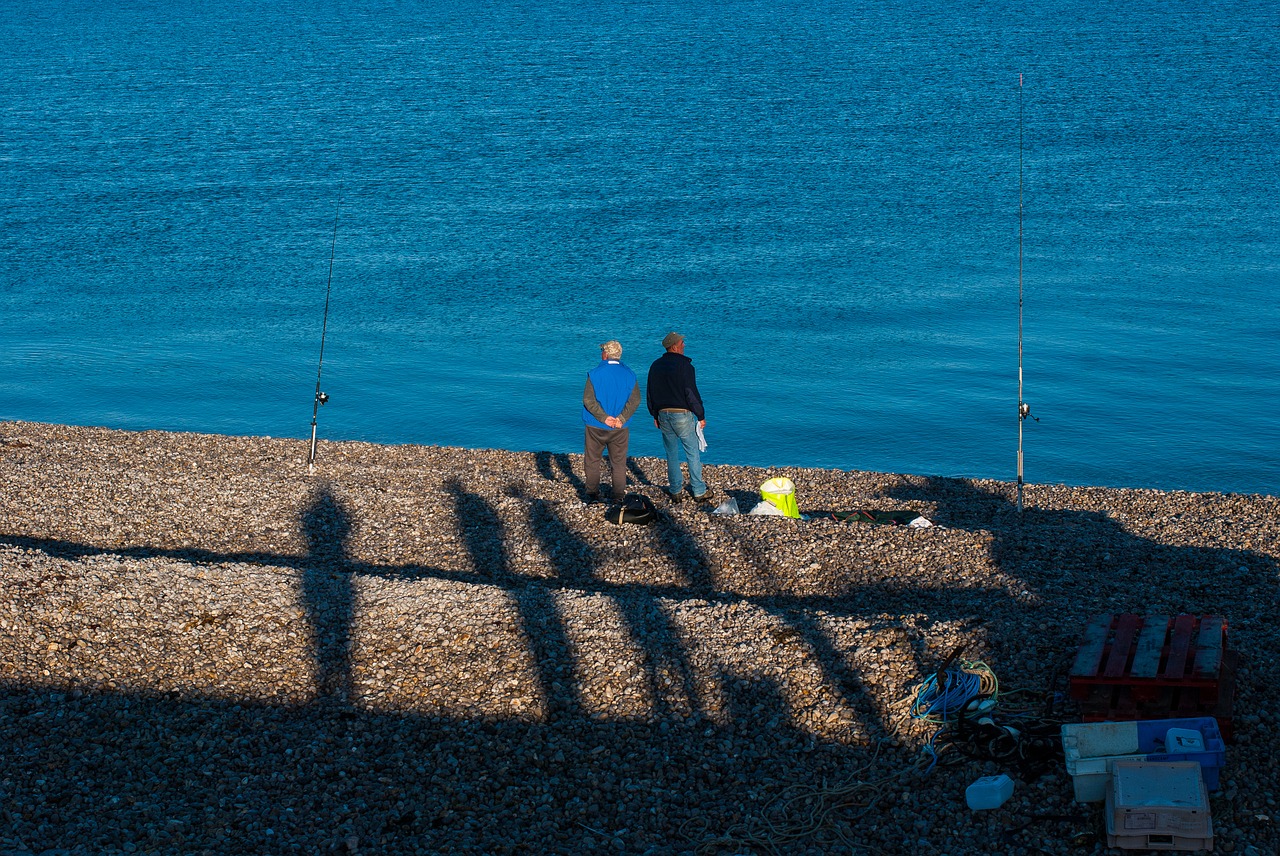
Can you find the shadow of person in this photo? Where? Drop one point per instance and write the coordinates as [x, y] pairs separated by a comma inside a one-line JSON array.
[[538, 616], [573, 558], [326, 592], [483, 534], [562, 463], [638, 475], [542, 460], [685, 552], [577, 565]]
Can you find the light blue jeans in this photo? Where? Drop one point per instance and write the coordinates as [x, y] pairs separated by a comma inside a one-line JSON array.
[[680, 430]]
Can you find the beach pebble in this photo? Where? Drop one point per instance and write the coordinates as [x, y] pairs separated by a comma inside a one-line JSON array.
[[206, 648]]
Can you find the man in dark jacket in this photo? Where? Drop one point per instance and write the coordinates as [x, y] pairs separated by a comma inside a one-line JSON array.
[[676, 407], [609, 399]]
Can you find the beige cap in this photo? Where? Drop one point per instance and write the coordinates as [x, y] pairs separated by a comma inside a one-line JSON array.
[[672, 339], [611, 349]]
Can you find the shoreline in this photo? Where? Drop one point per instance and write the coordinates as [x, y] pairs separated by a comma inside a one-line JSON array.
[[577, 453], [507, 668]]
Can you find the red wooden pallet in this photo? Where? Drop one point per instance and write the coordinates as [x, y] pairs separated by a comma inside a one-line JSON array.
[[1117, 704], [1155, 667], [1146, 653]]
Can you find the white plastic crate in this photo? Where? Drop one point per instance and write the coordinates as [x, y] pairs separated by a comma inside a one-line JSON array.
[[1158, 805]]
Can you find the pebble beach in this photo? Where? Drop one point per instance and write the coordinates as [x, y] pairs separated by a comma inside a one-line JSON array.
[[207, 648]]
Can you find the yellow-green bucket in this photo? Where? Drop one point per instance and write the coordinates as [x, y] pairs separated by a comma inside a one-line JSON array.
[[782, 494]]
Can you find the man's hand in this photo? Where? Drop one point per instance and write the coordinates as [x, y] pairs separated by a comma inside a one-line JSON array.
[[702, 423], [613, 421], [655, 423]]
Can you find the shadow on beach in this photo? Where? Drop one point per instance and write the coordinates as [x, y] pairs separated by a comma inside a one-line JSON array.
[[187, 773], [1075, 564]]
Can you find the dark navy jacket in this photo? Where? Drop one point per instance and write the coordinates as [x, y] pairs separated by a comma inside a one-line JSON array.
[[671, 384]]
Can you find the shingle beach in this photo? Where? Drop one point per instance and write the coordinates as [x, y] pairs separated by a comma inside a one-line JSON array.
[[206, 649]]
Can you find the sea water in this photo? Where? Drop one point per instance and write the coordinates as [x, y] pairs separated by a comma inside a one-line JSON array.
[[854, 212]]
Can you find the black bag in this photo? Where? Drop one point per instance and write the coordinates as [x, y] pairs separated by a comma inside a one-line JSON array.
[[636, 508], [896, 518]]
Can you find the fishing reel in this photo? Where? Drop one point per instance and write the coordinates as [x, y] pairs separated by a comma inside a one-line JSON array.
[[1024, 410], [322, 397]]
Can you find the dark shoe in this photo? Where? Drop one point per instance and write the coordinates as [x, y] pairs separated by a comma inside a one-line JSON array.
[[706, 497], [593, 497], [674, 497]]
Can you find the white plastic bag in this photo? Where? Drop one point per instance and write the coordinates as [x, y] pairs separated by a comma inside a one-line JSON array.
[[766, 509], [729, 506]]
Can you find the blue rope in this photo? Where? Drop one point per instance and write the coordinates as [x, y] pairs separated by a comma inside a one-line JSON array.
[[932, 752], [942, 704]]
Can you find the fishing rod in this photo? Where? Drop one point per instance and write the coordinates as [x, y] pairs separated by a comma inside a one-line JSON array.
[[322, 397], [1024, 409]]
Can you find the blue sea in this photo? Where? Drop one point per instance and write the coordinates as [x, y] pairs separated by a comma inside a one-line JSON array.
[[840, 204]]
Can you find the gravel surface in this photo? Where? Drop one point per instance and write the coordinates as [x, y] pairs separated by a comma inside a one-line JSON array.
[[206, 649]]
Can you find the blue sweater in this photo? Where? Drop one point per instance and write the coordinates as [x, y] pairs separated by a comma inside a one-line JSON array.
[[613, 384]]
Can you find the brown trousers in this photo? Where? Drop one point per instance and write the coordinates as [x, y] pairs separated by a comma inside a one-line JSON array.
[[596, 440]]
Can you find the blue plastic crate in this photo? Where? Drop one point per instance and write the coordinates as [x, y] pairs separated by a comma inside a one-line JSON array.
[[1091, 748]]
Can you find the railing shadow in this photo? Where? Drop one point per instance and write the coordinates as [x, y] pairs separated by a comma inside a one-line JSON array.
[[184, 774], [97, 769], [1073, 564]]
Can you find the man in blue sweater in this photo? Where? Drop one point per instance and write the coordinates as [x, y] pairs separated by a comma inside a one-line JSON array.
[[676, 407], [609, 400]]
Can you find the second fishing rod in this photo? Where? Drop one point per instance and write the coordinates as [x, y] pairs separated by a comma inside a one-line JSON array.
[[322, 397]]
